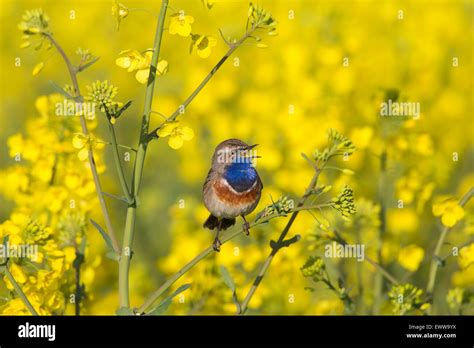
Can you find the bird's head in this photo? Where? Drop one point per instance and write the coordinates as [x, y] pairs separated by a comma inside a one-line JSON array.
[[232, 151]]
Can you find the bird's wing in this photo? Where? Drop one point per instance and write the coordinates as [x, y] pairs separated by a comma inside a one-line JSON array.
[[260, 183], [208, 180]]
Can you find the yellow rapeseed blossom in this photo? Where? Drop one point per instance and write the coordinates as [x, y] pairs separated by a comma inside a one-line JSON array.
[[17, 273], [449, 210], [180, 24], [37, 69], [132, 60], [119, 12], [176, 133], [59, 211], [466, 257], [84, 143], [202, 45], [410, 257]]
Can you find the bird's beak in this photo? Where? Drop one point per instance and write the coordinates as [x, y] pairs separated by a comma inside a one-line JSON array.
[[250, 147]]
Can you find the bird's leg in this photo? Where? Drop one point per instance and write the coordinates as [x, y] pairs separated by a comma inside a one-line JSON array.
[[246, 226], [217, 243]]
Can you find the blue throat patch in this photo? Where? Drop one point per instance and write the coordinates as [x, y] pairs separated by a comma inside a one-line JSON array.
[[241, 176]]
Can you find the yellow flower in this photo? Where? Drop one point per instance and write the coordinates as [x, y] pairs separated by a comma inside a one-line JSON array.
[[55, 301], [130, 59], [466, 256], [47, 279], [202, 44], [119, 12], [37, 69], [17, 273], [410, 257], [180, 24], [14, 307], [449, 210], [83, 143], [133, 60], [423, 145], [177, 134]]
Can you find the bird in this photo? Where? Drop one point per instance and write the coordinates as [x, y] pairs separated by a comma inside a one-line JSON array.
[[232, 187]]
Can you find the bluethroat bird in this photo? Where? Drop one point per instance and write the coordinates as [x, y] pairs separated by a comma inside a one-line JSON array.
[[232, 187]]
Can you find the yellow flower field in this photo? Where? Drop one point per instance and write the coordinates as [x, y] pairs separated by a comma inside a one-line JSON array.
[[110, 115]]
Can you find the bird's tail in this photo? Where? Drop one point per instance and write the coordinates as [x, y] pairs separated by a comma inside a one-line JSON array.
[[212, 222]]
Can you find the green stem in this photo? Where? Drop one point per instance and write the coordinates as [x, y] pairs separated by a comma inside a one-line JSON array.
[[118, 165], [436, 254], [268, 261], [339, 239], [360, 285], [124, 264], [382, 271], [378, 281], [78, 261], [18, 291], [85, 131], [189, 99]]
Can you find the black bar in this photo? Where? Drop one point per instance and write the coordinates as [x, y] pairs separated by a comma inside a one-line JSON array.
[[209, 330]]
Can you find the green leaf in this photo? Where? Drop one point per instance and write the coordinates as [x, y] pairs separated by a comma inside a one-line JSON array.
[[118, 198], [88, 64], [59, 89], [106, 237], [163, 306], [124, 311], [227, 278], [112, 255]]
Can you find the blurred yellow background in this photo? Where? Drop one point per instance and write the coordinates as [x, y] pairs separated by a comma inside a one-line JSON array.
[[284, 97]]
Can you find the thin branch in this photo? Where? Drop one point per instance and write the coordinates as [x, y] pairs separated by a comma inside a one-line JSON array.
[[201, 256], [233, 46], [382, 270], [124, 263], [85, 131], [459, 247], [278, 245], [436, 254], [339, 239], [118, 165], [382, 185], [18, 290], [78, 261]]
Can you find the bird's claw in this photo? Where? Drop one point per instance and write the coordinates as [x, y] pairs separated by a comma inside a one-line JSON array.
[[217, 245], [246, 227]]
